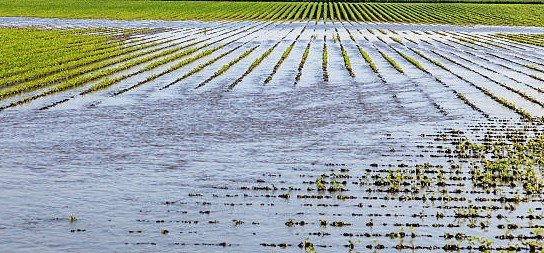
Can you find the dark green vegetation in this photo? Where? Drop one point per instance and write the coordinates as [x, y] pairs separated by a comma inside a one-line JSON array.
[[440, 13]]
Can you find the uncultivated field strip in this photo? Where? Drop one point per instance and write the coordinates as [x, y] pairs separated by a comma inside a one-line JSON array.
[[511, 62]]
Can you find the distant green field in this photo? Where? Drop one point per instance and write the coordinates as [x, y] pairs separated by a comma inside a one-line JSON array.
[[436, 13], [34, 58]]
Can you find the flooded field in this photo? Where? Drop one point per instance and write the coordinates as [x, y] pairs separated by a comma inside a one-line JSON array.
[[276, 137]]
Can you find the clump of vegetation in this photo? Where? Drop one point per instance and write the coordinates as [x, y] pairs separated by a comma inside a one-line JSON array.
[[307, 246], [320, 183], [513, 164], [396, 39]]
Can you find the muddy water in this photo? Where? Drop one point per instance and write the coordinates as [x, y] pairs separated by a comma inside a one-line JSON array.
[[206, 171]]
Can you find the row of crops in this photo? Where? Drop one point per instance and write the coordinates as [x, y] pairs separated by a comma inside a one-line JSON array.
[[483, 71], [440, 13]]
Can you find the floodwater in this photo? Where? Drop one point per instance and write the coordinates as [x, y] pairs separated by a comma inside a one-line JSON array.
[[190, 170]]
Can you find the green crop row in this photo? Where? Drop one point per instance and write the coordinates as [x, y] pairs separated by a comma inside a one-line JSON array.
[[284, 56], [391, 61], [325, 59], [345, 56], [227, 66], [302, 62]]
